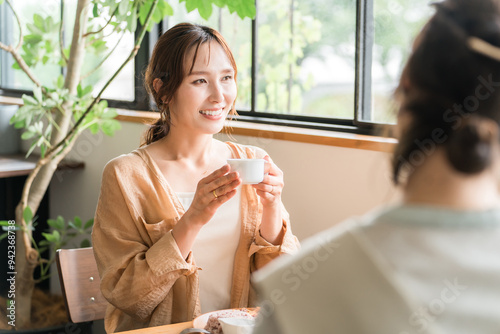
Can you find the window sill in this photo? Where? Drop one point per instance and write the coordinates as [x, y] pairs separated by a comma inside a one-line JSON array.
[[311, 136], [279, 132]]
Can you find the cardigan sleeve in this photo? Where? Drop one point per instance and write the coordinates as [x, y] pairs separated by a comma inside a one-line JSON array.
[[137, 272], [265, 251]]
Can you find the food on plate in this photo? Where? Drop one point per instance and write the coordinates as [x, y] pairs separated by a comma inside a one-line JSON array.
[[213, 325]]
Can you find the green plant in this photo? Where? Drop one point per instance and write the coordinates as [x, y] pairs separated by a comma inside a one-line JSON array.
[[61, 233], [57, 113]]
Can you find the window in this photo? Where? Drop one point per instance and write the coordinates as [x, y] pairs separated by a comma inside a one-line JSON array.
[[315, 63], [49, 13]]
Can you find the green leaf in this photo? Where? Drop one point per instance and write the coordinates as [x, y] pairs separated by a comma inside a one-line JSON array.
[[44, 243], [166, 9], [94, 128], [53, 237], [38, 21], [79, 90], [219, 3], [144, 10], [78, 223], [60, 81], [27, 135], [43, 150], [27, 215], [58, 223], [28, 100], [42, 249], [33, 38], [4, 223], [85, 243], [37, 93], [1, 2], [4, 235], [89, 223], [32, 147], [204, 7], [95, 10], [123, 7], [109, 113], [244, 8], [109, 126], [132, 21]]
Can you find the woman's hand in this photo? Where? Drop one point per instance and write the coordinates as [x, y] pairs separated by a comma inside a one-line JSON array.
[[211, 192], [271, 187], [269, 190]]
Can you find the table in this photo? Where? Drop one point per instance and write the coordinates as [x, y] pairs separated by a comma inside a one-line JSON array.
[[17, 165], [167, 329]]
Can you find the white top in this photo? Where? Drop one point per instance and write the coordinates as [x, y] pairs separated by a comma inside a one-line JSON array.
[[214, 250], [409, 269]]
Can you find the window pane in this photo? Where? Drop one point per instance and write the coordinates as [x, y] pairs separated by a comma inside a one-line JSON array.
[[123, 86], [50, 12], [396, 24], [238, 34], [99, 67], [306, 57]]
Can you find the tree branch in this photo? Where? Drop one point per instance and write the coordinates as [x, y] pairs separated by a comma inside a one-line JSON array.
[[104, 59], [61, 39], [22, 64], [107, 23], [19, 24]]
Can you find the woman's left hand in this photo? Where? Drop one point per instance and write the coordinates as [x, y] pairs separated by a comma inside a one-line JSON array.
[[271, 187]]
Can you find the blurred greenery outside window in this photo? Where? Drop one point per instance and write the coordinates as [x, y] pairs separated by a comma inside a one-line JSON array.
[[297, 61]]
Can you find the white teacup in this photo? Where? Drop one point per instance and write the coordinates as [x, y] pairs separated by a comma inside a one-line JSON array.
[[251, 170], [237, 325]]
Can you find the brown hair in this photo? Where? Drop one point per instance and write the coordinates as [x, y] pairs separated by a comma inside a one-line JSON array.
[[450, 90], [167, 63]]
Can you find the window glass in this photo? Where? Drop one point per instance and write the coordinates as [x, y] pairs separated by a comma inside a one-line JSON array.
[[238, 34], [396, 23], [49, 12], [306, 57]]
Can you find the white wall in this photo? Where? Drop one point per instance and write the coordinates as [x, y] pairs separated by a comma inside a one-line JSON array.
[[323, 184]]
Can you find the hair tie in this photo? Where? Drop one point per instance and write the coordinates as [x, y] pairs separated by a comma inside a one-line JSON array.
[[486, 49]]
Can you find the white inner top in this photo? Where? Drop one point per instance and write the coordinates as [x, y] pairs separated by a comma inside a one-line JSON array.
[[214, 250]]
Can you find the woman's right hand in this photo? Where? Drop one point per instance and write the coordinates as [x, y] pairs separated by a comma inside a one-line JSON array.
[[211, 192]]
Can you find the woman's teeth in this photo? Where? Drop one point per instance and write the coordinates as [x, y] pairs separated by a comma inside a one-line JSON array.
[[211, 113]]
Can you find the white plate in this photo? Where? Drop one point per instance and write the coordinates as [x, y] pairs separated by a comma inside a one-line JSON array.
[[201, 321]]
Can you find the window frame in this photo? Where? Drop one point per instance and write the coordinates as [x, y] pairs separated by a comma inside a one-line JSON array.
[[362, 82]]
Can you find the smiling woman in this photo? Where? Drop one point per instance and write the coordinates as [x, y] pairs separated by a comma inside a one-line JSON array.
[[176, 199]]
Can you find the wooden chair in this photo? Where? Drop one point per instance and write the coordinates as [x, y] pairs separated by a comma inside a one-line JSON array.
[[80, 284]]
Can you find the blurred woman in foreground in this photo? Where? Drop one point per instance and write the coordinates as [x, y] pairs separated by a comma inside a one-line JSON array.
[[430, 264]]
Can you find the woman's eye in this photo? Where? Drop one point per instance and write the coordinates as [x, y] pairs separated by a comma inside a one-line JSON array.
[[227, 77], [199, 81]]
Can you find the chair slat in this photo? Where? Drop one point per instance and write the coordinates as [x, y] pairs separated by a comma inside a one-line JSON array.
[[80, 284]]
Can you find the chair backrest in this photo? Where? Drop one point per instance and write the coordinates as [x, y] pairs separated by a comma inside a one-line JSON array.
[[80, 284]]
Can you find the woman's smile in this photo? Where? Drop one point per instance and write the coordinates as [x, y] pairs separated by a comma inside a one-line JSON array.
[[213, 114]]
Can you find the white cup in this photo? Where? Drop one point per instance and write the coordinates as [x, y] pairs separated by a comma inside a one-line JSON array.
[[251, 170], [237, 325]]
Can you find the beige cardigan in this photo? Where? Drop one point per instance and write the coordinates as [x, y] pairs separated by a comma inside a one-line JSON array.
[[143, 275]]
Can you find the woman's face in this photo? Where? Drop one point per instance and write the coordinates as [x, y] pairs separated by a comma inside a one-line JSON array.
[[206, 95]]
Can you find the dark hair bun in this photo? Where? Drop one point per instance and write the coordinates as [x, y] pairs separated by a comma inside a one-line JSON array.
[[470, 147]]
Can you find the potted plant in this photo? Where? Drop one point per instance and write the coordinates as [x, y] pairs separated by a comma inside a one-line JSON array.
[[54, 116]]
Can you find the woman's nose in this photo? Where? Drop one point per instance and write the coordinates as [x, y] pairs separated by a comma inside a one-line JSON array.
[[216, 93]]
